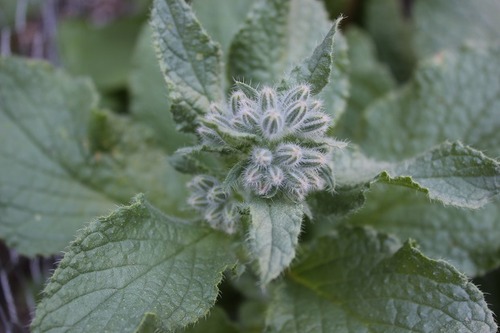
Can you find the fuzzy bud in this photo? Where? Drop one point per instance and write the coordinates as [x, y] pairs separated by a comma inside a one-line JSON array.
[[262, 157], [275, 175], [268, 99], [237, 100], [295, 113], [272, 124], [217, 195], [288, 154], [312, 159], [315, 124], [300, 92], [202, 183], [252, 175], [198, 201]]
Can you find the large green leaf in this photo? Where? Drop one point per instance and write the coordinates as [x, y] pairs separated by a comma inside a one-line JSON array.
[[63, 164], [149, 102], [189, 59], [450, 173], [361, 281], [101, 52], [453, 96], [133, 262], [275, 35], [445, 24], [369, 80], [273, 235], [466, 238]]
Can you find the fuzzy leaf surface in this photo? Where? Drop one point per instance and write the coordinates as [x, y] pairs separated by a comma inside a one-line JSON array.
[[452, 96], [275, 35], [134, 262], [360, 281], [450, 173], [189, 59], [273, 235], [315, 70], [64, 164], [464, 21], [466, 238], [149, 103]]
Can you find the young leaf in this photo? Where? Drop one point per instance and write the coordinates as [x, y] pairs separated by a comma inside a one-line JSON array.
[[316, 69], [148, 102], [273, 235], [466, 238], [189, 59], [63, 164], [358, 280], [464, 20], [453, 96], [275, 35], [136, 261]]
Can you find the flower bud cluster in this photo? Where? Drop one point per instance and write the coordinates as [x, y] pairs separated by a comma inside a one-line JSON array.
[[210, 199], [284, 133]]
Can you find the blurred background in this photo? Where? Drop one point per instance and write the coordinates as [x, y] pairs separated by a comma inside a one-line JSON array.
[[99, 38]]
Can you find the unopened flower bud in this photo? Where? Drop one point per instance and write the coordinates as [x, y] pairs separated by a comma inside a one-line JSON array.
[[198, 201], [312, 159], [252, 175], [295, 113], [275, 175], [202, 183], [300, 92], [315, 124], [268, 99], [262, 157], [288, 154], [217, 195], [272, 124], [237, 101], [214, 214]]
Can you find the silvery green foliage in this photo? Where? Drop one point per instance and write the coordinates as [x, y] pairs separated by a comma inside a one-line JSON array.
[[215, 204], [283, 136]]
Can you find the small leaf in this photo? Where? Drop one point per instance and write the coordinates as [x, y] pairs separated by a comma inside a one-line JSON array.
[[452, 96], [273, 236], [136, 261], [189, 59], [316, 69], [358, 281]]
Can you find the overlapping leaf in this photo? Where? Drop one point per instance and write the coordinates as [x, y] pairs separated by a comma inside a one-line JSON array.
[[361, 281], [63, 164], [189, 59], [273, 235], [136, 261]]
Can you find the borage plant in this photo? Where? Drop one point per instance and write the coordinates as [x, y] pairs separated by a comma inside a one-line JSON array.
[[266, 169]]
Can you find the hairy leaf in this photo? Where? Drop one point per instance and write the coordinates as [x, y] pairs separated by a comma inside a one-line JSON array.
[[134, 262], [63, 164], [361, 281], [315, 70], [149, 103], [273, 236], [446, 24], [189, 59], [275, 35], [466, 238], [453, 96]]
